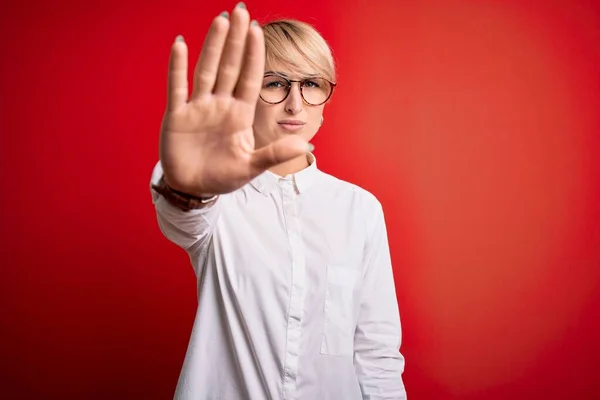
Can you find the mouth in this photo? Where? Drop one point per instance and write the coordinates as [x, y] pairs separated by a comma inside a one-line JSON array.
[[291, 125]]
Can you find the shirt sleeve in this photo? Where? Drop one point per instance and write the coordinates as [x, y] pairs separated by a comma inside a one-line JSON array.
[[378, 362], [190, 230]]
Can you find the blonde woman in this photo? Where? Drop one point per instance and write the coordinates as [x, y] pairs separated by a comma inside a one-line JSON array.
[[296, 295]]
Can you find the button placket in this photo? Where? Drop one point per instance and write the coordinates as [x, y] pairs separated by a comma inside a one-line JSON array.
[[290, 210]]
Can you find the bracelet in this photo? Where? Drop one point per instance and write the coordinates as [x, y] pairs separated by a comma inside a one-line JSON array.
[[183, 201]]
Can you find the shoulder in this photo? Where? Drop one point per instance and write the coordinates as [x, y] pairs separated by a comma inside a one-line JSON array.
[[342, 190]]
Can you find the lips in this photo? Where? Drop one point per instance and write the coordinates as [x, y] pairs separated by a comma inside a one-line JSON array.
[[291, 125], [291, 122]]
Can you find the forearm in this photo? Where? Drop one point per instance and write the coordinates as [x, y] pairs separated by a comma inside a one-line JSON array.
[[378, 361], [378, 336], [379, 364], [184, 226]]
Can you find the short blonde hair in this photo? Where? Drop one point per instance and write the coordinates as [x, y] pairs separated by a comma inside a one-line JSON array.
[[299, 47]]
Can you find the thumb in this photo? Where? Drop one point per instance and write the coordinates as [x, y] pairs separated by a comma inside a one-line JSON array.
[[278, 152]]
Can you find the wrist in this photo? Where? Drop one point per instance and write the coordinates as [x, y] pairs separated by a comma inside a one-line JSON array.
[[182, 200], [183, 191]]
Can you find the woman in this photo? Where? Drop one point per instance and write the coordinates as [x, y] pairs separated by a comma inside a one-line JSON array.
[[296, 296]]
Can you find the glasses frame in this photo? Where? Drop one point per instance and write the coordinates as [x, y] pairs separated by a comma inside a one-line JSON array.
[[289, 88]]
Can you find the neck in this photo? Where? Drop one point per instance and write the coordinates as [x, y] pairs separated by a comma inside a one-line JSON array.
[[291, 167]]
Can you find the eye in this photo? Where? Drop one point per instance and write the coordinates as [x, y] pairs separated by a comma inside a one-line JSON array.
[[274, 83], [311, 84]]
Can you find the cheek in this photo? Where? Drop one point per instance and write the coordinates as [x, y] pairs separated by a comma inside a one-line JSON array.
[[263, 125], [259, 116], [314, 123], [315, 117], [263, 116]]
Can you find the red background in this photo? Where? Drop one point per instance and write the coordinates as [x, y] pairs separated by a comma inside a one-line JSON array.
[[476, 123]]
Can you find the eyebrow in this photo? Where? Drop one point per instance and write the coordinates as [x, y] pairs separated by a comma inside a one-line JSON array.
[[283, 74]]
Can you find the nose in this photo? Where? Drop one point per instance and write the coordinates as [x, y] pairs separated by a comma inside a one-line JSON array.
[[293, 103]]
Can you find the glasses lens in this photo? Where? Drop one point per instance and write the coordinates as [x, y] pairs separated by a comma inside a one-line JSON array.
[[316, 90], [274, 89]]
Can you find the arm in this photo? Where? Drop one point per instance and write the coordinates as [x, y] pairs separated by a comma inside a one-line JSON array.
[[189, 230], [378, 362], [206, 142]]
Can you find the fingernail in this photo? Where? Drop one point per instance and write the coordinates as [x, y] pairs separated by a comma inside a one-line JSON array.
[[224, 14], [253, 23], [311, 147], [179, 38], [241, 4]]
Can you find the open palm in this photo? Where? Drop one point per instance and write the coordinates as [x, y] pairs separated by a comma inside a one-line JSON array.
[[206, 141]]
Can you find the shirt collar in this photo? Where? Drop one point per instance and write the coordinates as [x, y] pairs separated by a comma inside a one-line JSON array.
[[266, 182]]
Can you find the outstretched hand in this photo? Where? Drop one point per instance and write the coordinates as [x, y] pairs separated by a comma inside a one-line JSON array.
[[206, 140]]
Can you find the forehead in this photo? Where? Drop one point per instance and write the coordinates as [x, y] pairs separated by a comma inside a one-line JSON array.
[[291, 76], [293, 71]]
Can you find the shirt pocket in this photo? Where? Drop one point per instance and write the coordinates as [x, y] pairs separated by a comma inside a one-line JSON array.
[[339, 310]]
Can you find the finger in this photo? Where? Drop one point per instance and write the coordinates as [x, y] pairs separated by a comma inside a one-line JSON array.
[[233, 53], [250, 82], [205, 73], [278, 152], [177, 82]]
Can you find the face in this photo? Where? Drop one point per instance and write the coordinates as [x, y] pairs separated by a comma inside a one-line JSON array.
[[292, 116]]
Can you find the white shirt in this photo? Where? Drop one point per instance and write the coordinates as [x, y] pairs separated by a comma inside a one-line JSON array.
[[296, 296]]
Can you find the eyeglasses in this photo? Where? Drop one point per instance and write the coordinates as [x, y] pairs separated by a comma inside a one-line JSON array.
[[276, 88]]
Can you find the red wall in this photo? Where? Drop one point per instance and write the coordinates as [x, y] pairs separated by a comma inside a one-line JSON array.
[[476, 123]]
